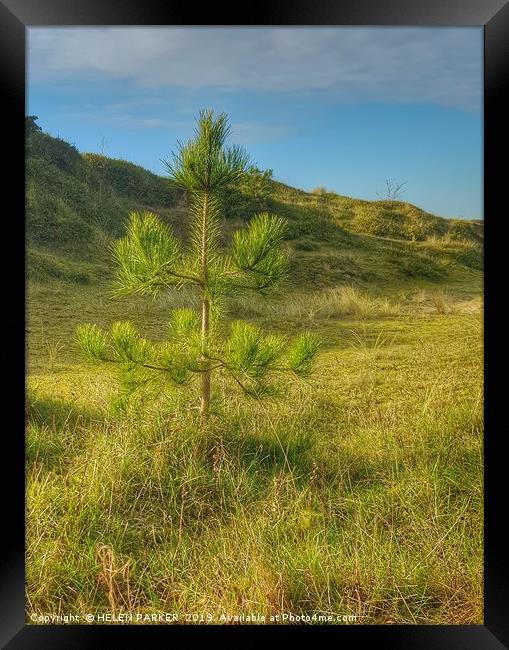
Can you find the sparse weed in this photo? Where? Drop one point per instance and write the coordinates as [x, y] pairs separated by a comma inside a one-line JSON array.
[[441, 302], [339, 302], [54, 348]]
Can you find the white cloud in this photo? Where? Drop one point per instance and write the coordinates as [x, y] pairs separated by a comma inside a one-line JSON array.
[[438, 65], [125, 120]]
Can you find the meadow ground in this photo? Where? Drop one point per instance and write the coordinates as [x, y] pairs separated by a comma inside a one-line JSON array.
[[356, 495]]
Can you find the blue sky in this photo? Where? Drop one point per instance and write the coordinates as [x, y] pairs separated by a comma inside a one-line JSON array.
[[344, 108]]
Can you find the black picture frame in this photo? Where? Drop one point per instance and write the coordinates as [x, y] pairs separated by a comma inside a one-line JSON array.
[[15, 16]]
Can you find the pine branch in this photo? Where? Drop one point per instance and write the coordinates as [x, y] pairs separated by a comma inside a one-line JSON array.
[[204, 164], [257, 357], [256, 253], [148, 258], [129, 352], [302, 353]]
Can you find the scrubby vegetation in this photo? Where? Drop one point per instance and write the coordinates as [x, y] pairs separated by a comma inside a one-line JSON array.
[[356, 495], [75, 203]]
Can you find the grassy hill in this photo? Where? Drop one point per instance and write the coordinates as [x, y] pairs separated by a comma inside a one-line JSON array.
[[358, 496], [76, 203]]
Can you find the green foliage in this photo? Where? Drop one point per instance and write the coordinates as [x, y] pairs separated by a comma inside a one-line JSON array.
[[258, 184], [137, 360], [183, 323], [251, 353], [127, 344], [399, 220], [255, 250], [255, 359], [328, 270], [466, 230], [419, 266], [74, 209], [204, 167], [204, 164], [150, 259], [255, 192], [54, 151], [30, 125], [303, 352], [92, 341], [471, 256], [306, 245]]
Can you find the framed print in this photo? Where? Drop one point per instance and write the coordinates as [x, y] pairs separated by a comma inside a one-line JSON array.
[[256, 324]]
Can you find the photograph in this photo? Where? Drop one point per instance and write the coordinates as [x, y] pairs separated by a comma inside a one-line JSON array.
[[254, 298]]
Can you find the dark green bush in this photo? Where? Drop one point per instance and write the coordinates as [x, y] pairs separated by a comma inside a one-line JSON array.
[[418, 266], [55, 151], [471, 257]]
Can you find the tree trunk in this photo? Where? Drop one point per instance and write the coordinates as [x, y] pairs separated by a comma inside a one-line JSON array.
[[205, 309], [205, 375]]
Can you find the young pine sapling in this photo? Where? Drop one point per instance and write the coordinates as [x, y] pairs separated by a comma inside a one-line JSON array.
[[150, 259]]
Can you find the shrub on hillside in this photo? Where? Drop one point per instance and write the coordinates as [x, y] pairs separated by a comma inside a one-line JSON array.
[[258, 185], [459, 229], [419, 266], [53, 150], [397, 220], [382, 222], [304, 225], [471, 256]]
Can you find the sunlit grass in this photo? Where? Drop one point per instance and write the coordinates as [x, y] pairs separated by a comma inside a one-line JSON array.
[[360, 493]]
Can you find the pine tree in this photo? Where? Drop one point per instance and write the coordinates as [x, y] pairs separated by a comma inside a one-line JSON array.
[[150, 259]]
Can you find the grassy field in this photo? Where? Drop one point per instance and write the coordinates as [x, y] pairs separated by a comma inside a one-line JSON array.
[[357, 495]]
